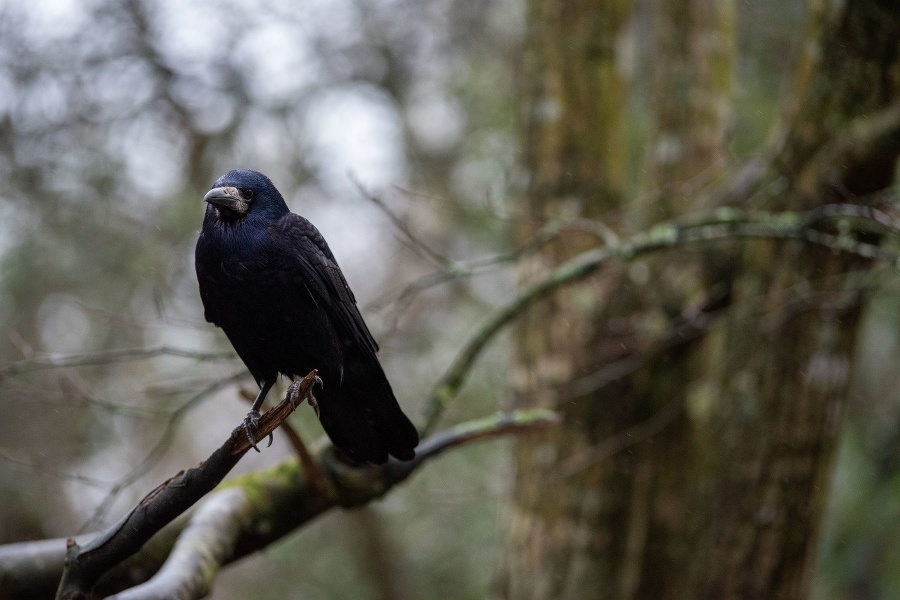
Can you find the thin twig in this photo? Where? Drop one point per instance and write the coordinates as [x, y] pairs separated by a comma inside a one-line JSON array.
[[423, 249], [103, 357], [455, 270], [307, 460], [42, 468]]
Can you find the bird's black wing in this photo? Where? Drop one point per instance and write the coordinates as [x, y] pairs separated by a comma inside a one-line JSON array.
[[361, 415], [320, 273], [203, 264]]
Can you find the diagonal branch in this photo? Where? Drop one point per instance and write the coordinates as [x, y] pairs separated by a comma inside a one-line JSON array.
[[157, 451], [225, 525], [86, 564], [248, 513]]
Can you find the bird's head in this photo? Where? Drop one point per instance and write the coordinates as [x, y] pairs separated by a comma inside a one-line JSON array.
[[242, 192]]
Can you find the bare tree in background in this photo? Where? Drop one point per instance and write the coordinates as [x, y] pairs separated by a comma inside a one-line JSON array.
[[704, 391]]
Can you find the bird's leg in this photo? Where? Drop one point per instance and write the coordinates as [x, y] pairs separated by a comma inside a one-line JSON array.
[[251, 421], [295, 388], [310, 466]]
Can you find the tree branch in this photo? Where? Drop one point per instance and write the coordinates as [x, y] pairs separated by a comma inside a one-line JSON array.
[[205, 545], [86, 564], [224, 521], [290, 499], [263, 506], [156, 453], [723, 224]]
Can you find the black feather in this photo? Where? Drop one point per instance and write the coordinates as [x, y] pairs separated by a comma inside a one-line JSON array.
[[269, 280]]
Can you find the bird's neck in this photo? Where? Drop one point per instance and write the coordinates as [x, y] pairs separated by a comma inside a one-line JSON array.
[[246, 233]]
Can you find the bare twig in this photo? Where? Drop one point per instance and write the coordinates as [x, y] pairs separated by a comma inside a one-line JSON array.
[[42, 468], [104, 357], [421, 247], [454, 270], [863, 214], [307, 460]]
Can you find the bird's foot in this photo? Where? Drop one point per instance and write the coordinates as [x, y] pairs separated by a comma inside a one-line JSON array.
[[294, 394], [251, 424]]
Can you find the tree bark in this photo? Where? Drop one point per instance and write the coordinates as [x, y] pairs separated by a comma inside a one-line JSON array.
[[703, 392]]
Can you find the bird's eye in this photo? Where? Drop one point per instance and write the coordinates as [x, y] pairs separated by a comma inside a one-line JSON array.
[[247, 194]]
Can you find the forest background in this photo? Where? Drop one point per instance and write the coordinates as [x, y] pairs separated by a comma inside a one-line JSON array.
[[454, 153]]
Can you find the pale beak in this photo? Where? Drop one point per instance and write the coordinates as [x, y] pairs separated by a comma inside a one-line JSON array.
[[227, 198]]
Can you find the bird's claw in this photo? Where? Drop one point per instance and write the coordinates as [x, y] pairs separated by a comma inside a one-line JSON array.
[[312, 399], [312, 402], [251, 423], [294, 393]]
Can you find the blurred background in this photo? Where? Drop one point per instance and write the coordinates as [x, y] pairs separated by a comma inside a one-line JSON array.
[[391, 125]]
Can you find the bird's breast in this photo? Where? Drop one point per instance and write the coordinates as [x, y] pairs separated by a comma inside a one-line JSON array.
[[262, 303]]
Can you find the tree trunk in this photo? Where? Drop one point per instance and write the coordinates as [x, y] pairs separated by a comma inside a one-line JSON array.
[[703, 391]]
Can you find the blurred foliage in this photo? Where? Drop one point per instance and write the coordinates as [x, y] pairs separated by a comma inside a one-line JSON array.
[[114, 119]]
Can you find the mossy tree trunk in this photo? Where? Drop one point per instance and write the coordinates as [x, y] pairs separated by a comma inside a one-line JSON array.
[[703, 391]]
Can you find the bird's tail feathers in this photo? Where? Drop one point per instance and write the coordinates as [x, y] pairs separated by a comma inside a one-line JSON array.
[[362, 417]]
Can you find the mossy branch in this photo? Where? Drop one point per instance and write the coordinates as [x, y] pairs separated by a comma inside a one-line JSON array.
[[246, 514], [722, 224], [84, 565]]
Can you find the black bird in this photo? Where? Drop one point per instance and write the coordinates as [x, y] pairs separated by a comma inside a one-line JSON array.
[[269, 280]]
